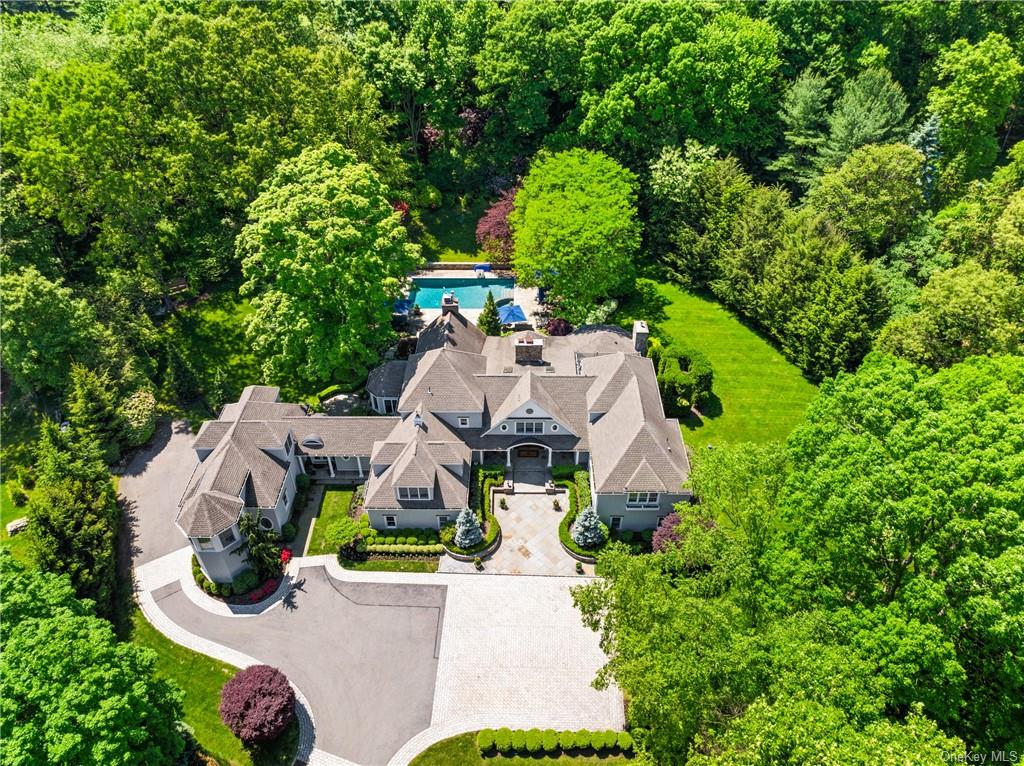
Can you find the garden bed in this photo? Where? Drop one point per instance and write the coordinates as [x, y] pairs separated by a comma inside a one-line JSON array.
[[244, 590]]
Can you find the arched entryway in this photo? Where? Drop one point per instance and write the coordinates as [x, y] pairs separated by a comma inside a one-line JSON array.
[[528, 451]]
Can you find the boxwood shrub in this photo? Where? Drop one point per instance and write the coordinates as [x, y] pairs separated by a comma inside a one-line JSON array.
[[534, 741], [583, 739], [518, 740], [625, 741], [550, 741], [567, 740], [485, 740], [503, 740]]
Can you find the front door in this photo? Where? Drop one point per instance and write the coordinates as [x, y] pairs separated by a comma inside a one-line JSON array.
[[616, 523], [529, 452]]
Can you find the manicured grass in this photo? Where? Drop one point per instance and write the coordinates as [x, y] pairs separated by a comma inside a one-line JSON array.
[[212, 332], [462, 751], [757, 396], [333, 506], [449, 233], [391, 565], [201, 679]]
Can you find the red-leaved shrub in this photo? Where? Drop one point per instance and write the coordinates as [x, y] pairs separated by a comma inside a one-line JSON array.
[[257, 704], [558, 326], [667, 533], [492, 231]]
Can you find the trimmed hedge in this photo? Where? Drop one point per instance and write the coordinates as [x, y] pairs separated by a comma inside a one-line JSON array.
[[582, 479], [534, 741], [564, 471], [434, 549], [400, 536]]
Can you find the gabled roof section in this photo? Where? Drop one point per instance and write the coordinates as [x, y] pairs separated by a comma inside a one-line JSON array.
[[423, 463], [534, 387], [443, 381], [613, 372], [452, 331], [386, 381], [634, 448]]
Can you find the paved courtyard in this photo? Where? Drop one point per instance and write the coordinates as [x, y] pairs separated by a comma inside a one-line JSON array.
[[529, 539]]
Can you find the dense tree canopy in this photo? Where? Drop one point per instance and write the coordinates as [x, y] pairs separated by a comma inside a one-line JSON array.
[[840, 592], [575, 228], [71, 692], [325, 256]]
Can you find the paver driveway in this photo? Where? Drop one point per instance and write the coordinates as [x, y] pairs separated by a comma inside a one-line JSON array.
[[363, 654]]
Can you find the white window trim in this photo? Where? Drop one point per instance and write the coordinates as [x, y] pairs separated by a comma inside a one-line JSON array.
[[414, 493], [463, 422], [642, 499], [612, 521], [390, 522], [207, 546], [533, 425]]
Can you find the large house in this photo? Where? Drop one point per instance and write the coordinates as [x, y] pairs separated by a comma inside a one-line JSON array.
[[463, 398]]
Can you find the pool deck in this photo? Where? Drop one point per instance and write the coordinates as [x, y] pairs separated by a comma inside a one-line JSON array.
[[525, 297]]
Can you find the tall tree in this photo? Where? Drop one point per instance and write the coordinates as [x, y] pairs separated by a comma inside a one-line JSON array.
[[92, 409], [73, 514], [870, 110], [43, 329], [978, 85], [874, 196], [73, 693], [804, 114], [324, 256], [963, 311], [576, 229]]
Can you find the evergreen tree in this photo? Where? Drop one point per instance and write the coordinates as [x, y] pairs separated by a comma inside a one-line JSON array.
[[803, 113], [488, 322], [870, 111], [587, 530], [261, 550], [467, 529], [92, 410], [925, 138]]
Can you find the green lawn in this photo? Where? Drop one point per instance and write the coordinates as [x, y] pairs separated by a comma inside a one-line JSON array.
[[201, 678], [391, 565], [449, 233], [462, 751], [757, 396], [333, 506]]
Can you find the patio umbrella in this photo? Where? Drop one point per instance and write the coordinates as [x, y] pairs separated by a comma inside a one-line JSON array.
[[511, 314]]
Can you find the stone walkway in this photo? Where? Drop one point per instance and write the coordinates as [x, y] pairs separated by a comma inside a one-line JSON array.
[[529, 540]]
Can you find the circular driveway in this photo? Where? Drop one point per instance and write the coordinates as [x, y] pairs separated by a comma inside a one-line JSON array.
[[364, 655]]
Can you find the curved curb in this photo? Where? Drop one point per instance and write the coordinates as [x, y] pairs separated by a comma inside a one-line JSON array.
[[577, 556], [174, 632], [490, 549], [205, 601]]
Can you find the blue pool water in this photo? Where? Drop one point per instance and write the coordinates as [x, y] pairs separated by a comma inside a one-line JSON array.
[[471, 291]]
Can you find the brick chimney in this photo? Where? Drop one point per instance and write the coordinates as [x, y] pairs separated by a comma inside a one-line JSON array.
[[640, 334], [529, 349], [449, 304]]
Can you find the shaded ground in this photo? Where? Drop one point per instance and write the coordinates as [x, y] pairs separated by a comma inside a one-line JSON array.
[[364, 654], [150, 489], [758, 395], [449, 233]]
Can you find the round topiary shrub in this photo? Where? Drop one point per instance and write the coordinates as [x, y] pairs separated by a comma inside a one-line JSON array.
[[503, 740], [485, 740], [519, 741], [534, 741], [602, 740], [549, 740], [583, 739], [625, 741], [225, 589], [288, 532], [257, 704], [567, 740]]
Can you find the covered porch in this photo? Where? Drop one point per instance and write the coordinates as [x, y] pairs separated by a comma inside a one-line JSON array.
[[329, 469]]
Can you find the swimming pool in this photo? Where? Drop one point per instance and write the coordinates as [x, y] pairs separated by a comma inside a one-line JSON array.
[[471, 291]]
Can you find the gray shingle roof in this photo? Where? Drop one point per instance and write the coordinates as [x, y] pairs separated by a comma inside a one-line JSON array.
[[443, 380], [210, 514], [386, 380], [452, 331]]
